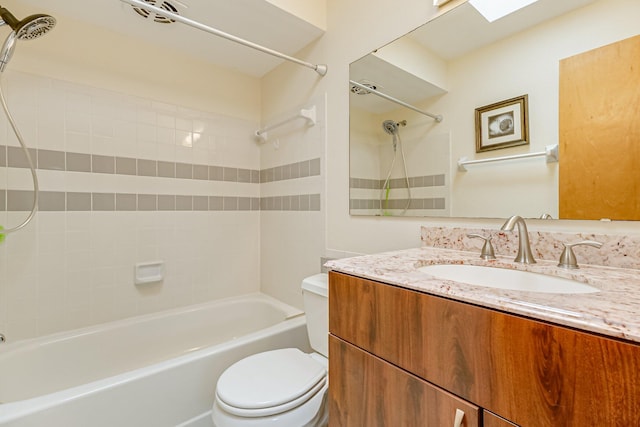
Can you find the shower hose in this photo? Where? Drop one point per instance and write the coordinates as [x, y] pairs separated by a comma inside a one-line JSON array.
[[14, 126], [386, 187]]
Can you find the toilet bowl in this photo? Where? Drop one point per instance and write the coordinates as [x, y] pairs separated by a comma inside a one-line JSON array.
[[284, 387]]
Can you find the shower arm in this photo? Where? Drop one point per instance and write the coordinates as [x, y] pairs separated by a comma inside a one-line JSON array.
[[321, 69], [436, 117]]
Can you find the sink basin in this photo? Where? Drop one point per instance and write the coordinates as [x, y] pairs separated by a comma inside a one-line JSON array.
[[501, 278]]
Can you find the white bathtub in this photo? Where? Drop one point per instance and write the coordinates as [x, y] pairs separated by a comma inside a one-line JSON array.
[[155, 370]]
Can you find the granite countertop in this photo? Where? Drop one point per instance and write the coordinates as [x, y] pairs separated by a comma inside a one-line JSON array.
[[614, 311]]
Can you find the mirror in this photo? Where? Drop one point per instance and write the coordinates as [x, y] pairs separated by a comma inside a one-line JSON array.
[[405, 163]]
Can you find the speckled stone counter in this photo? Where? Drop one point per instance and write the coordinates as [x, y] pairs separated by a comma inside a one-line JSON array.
[[614, 311], [616, 251]]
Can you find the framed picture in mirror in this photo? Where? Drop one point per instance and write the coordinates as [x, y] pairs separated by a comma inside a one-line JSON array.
[[502, 124]]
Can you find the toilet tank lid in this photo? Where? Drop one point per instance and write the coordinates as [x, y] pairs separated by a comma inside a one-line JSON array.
[[318, 284]]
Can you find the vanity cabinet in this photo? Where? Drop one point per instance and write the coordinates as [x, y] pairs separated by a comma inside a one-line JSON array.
[[371, 392], [396, 352]]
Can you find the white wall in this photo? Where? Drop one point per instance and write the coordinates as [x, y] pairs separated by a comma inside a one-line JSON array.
[[355, 28], [291, 237]]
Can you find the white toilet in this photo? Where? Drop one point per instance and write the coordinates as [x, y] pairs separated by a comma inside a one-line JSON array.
[[286, 387]]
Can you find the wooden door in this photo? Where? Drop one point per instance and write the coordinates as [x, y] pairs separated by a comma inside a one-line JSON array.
[[599, 131]]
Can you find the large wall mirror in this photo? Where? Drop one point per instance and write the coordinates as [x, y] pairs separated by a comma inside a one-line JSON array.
[[509, 73]]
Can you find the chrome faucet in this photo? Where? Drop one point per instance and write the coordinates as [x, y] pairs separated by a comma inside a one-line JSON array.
[[524, 248]]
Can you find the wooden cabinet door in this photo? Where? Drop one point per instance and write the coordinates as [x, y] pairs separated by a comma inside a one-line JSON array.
[[492, 420], [529, 372], [367, 391]]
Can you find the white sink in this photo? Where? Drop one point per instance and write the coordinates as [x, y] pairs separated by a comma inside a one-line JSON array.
[[502, 278]]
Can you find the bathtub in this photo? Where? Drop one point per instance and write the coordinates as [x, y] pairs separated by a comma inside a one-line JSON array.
[[153, 370]]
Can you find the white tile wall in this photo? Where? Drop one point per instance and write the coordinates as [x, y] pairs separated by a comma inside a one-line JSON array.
[[293, 242], [71, 269]]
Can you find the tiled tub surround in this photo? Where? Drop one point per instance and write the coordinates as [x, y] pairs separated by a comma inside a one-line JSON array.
[[126, 180], [613, 311], [616, 251]]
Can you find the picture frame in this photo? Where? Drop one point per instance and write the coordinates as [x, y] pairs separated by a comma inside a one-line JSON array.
[[502, 124]]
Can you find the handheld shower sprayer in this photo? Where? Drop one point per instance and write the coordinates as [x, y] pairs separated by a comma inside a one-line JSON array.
[[391, 127], [31, 27]]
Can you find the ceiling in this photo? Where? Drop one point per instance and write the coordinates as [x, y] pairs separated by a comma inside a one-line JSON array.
[[398, 83], [464, 29], [258, 21], [451, 35]]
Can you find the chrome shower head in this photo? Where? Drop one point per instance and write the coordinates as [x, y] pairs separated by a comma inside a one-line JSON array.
[[29, 28], [390, 127], [35, 26]]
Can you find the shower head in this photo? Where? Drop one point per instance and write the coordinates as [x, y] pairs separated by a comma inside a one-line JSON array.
[[391, 127], [29, 28]]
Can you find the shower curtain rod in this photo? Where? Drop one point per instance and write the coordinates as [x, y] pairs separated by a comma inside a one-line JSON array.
[[436, 117], [318, 68]]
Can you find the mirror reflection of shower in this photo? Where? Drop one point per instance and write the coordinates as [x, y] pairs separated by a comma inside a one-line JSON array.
[[392, 128]]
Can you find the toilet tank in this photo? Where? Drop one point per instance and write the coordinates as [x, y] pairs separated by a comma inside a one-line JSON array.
[[315, 291]]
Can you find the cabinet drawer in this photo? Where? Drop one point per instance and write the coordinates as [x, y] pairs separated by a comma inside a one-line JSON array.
[[529, 372], [492, 420], [367, 391]]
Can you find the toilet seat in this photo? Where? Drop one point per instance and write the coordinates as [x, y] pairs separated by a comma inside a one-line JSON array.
[[270, 383]]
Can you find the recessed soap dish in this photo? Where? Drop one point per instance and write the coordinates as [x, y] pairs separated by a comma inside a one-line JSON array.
[[149, 272]]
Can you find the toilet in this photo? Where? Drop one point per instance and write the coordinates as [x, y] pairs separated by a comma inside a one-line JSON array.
[[285, 387]]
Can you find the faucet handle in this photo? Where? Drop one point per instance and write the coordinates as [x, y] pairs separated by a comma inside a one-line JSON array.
[[568, 258], [487, 248]]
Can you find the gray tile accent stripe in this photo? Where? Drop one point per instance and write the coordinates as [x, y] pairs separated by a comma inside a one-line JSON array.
[[103, 164], [59, 201], [53, 201], [52, 160], [17, 159], [414, 182], [427, 203], [79, 162], [126, 202], [301, 202], [78, 201], [147, 167], [291, 171], [93, 163]]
